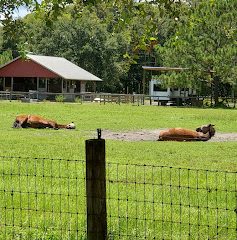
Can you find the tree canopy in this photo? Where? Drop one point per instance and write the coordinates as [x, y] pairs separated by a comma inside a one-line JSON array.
[[113, 38], [206, 43]]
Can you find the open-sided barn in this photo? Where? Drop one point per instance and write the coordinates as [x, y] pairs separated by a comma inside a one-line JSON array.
[[44, 74]]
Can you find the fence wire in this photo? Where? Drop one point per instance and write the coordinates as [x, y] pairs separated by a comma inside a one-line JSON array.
[[42, 198], [153, 202], [45, 199]]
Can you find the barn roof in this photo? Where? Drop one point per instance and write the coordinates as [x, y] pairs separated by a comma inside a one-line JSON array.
[[59, 66], [165, 69], [63, 68]]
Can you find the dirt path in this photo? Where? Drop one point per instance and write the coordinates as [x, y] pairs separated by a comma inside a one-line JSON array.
[[152, 135]]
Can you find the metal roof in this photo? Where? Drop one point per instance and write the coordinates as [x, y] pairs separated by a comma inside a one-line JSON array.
[[63, 68], [166, 69], [163, 68]]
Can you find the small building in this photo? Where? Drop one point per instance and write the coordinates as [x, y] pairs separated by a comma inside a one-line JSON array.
[[167, 95], [45, 75]]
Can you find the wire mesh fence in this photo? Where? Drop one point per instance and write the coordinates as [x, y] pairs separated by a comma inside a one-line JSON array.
[[46, 199], [153, 202], [42, 198]]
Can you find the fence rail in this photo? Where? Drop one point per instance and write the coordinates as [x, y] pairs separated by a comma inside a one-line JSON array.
[[104, 98], [46, 199]]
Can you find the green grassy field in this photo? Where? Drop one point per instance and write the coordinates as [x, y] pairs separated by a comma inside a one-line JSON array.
[[88, 117], [143, 201]]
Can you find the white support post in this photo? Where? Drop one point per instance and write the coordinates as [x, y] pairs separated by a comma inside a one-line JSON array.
[[83, 87], [37, 87], [12, 83], [62, 85]]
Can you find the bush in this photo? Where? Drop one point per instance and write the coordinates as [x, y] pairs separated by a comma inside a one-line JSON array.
[[78, 100], [59, 98]]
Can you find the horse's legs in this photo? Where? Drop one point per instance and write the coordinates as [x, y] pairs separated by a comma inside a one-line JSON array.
[[53, 125]]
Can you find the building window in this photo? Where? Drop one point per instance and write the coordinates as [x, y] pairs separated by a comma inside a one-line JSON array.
[[159, 88], [175, 89]]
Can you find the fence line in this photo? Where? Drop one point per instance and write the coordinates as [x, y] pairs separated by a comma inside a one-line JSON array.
[[46, 199], [155, 202], [42, 198], [104, 98]]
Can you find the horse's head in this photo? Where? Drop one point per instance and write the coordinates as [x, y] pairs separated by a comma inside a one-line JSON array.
[[71, 126], [207, 128], [16, 124]]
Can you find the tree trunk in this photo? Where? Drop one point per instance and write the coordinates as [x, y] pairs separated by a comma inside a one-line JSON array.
[[216, 90]]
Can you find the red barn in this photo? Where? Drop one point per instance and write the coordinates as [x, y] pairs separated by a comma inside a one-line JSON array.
[[44, 75]]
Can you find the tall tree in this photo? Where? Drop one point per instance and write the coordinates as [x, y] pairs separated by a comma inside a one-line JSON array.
[[206, 44], [130, 29], [86, 42], [51, 9]]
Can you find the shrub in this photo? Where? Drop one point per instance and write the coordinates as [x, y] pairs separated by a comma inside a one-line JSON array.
[[78, 100], [59, 98]]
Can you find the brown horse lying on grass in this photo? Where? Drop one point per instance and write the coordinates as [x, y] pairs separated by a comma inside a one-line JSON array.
[[34, 121], [202, 133]]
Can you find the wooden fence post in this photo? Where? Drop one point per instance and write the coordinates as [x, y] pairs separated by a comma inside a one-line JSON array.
[[96, 189]]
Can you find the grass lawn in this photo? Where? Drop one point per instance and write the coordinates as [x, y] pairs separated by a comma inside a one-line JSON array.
[[143, 201], [88, 117]]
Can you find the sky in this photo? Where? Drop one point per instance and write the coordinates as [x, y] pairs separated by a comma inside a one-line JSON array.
[[21, 12]]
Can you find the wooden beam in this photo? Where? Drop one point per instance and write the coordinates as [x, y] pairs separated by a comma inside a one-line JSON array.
[[96, 189], [12, 82], [143, 82], [165, 69]]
